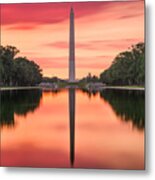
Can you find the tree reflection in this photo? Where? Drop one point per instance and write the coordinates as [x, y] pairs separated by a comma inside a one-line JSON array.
[[18, 102], [91, 93], [127, 104]]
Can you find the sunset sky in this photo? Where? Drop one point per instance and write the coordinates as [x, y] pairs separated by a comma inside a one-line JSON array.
[[102, 30]]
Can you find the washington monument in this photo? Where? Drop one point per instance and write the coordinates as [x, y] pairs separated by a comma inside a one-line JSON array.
[[71, 48]]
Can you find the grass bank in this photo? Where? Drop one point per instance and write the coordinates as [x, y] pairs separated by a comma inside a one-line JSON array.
[[142, 88], [19, 88], [80, 85]]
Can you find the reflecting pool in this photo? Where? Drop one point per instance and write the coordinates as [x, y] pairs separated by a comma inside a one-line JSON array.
[[73, 128]]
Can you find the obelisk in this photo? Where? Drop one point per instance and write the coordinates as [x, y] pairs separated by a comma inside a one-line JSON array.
[[71, 48]]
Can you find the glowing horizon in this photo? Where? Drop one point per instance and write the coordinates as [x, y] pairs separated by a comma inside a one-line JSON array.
[[102, 30]]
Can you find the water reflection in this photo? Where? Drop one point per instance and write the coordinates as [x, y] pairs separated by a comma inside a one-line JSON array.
[[90, 94], [19, 102], [72, 123], [98, 128], [129, 105]]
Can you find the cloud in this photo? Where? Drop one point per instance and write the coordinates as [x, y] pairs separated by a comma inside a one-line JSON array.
[[96, 62], [51, 13], [46, 13], [131, 16], [58, 44], [53, 62], [22, 27], [95, 44], [65, 45]]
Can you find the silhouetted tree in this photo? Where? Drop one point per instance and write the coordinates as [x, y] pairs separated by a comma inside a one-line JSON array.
[[7, 55], [17, 71], [89, 78], [128, 68]]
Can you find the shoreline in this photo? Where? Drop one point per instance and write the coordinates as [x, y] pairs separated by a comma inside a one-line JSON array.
[[19, 88], [106, 87], [125, 88]]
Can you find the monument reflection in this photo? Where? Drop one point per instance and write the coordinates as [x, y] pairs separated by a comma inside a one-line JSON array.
[[72, 123]]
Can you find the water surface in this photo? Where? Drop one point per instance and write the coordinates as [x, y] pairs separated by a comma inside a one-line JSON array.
[[73, 128]]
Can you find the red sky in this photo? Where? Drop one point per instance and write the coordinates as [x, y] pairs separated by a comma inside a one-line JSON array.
[[102, 30]]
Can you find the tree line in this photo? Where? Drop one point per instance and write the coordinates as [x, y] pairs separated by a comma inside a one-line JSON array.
[[17, 71], [128, 68], [53, 79], [90, 79]]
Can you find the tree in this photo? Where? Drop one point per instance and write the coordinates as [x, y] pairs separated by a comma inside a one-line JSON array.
[[7, 55], [89, 78], [128, 68], [17, 71], [26, 72]]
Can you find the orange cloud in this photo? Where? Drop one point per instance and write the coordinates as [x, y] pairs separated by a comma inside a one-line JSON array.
[[96, 44], [22, 27]]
